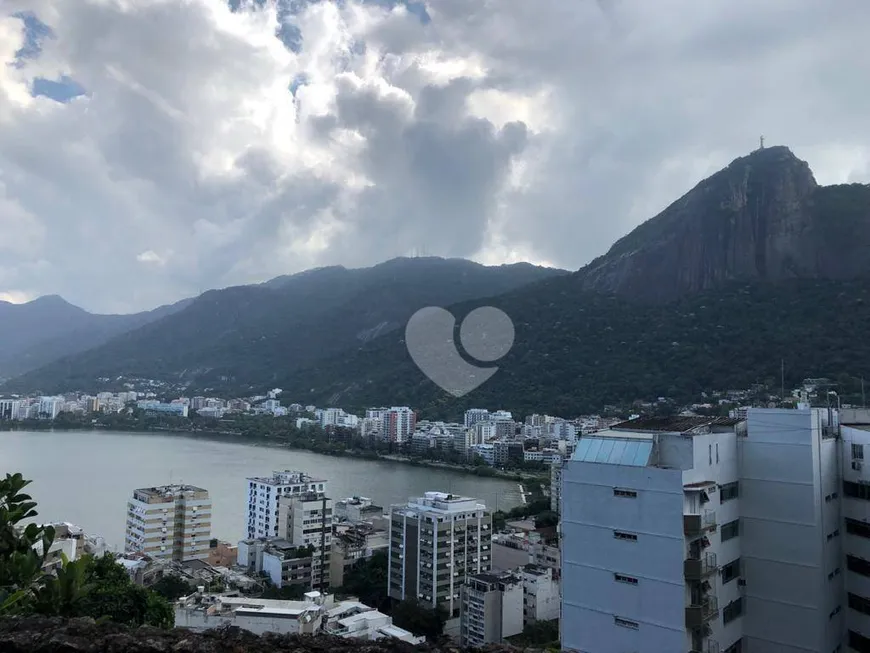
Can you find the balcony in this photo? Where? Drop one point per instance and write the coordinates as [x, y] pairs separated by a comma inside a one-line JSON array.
[[697, 525], [702, 613], [699, 568]]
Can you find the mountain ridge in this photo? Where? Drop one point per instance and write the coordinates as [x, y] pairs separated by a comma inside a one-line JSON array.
[[258, 330]]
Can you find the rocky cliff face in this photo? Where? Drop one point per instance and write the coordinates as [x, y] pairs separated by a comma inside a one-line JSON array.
[[50, 635], [763, 217]]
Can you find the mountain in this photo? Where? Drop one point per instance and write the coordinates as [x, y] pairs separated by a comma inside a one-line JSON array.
[[763, 217], [49, 327], [576, 351], [755, 266], [258, 333]]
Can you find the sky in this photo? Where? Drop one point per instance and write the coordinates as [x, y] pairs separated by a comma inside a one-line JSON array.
[[153, 149]]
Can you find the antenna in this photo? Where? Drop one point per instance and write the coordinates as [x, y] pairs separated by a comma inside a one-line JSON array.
[[762, 143]]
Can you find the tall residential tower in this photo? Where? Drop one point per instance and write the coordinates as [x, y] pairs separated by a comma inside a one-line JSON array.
[[170, 522]]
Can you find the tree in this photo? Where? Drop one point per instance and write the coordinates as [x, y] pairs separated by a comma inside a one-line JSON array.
[[88, 587], [22, 551], [285, 592], [367, 580], [171, 587], [546, 519], [420, 620]]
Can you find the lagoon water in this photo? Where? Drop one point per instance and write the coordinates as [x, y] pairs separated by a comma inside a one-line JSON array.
[[86, 477]]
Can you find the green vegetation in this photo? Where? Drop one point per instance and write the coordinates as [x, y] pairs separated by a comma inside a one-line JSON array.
[[88, 587], [367, 580], [420, 620], [172, 587], [577, 352], [541, 634], [285, 593]]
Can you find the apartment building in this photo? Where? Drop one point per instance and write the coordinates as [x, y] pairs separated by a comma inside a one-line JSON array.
[[305, 521], [556, 484], [475, 415], [542, 598], [399, 424], [169, 522], [265, 493], [854, 501], [492, 609], [352, 544], [436, 542], [707, 534], [10, 409]]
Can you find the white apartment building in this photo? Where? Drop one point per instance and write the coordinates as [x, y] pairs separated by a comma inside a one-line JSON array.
[[492, 609], [50, 407], [264, 494], [542, 598], [170, 522], [713, 535], [436, 542], [200, 612], [10, 409]]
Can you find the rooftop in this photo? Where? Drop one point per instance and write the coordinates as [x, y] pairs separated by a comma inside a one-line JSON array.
[[165, 493], [287, 477], [441, 502], [674, 423]]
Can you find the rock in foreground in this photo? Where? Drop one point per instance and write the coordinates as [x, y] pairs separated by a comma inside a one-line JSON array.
[[52, 635]]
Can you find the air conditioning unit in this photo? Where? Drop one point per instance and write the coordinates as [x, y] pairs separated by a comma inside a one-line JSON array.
[[857, 465], [741, 582]]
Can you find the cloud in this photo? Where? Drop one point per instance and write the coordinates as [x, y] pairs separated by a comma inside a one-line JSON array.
[[177, 145]]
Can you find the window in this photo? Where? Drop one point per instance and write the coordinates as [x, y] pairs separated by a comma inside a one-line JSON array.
[[717, 453], [730, 530], [855, 527], [732, 611], [728, 491], [859, 603], [626, 623], [620, 535], [858, 565], [856, 490], [710, 453], [731, 571], [857, 452], [627, 494], [620, 578], [736, 647], [858, 642], [836, 533]]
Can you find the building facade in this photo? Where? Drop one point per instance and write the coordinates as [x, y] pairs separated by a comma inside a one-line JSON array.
[[399, 424], [305, 520], [711, 534], [492, 609], [169, 522], [436, 542], [265, 494]]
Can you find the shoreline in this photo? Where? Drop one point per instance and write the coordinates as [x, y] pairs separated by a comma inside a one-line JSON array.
[[367, 454]]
